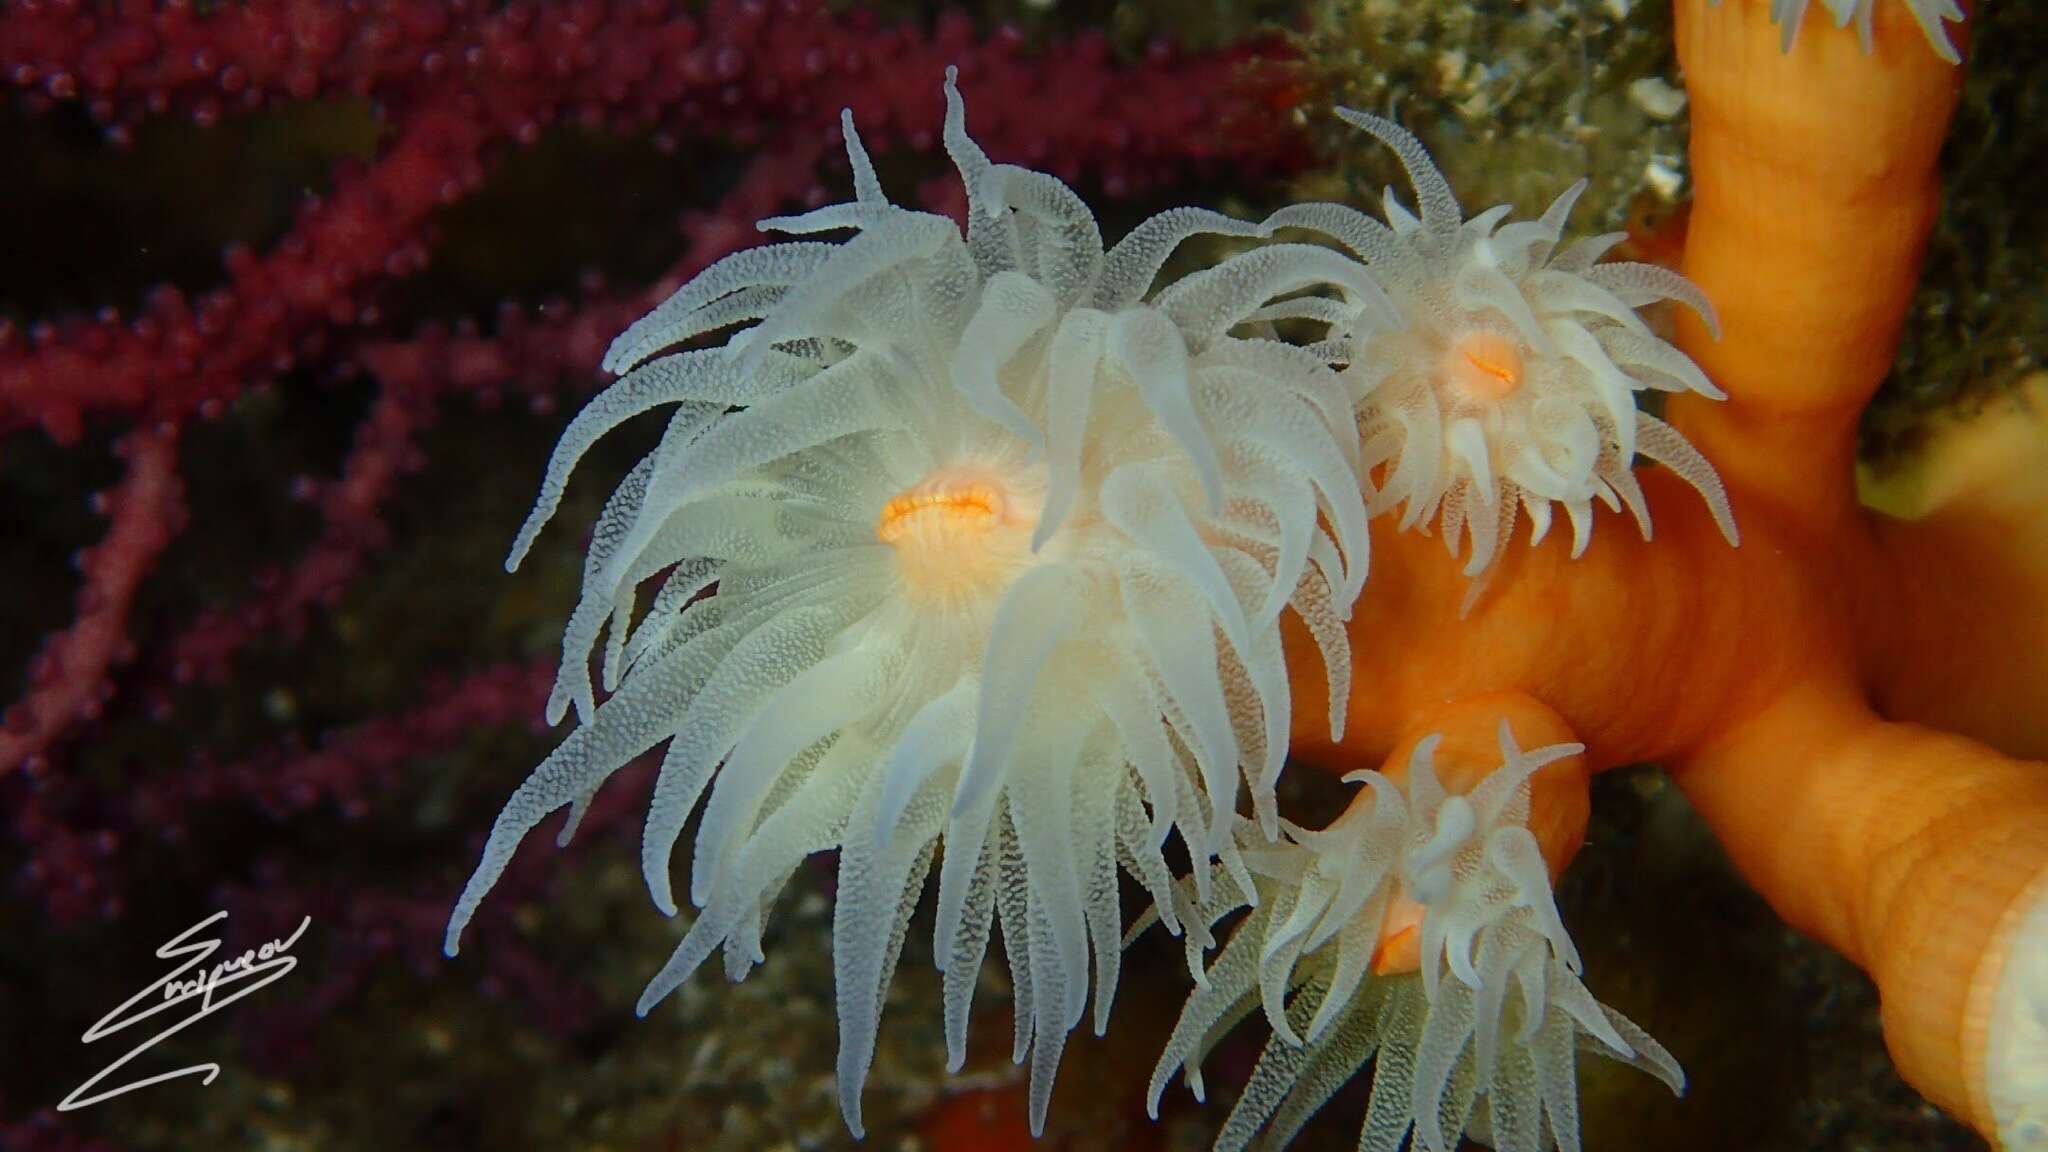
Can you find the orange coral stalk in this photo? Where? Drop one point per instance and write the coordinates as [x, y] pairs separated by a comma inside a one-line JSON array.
[[1753, 671], [1964, 643], [1635, 644], [1814, 188], [1816, 183], [1912, 852], [1744, 670]]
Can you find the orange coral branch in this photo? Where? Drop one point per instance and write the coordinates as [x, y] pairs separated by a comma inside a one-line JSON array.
[[1764, 673], [1906, 849], [1962, 641], [1636, 644], [1814, 189]]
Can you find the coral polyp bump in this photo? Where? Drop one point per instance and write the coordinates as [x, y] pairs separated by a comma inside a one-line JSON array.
[[1488, 1011], [968, 543], [1503, 376]]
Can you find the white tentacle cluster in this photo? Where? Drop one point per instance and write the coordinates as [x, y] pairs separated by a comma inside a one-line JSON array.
[[1495, 1015], [1933, 16], [1502, 375], [959, 540], [969, 552]]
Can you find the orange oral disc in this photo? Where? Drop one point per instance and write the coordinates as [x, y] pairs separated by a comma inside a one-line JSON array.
[[1485, 366]]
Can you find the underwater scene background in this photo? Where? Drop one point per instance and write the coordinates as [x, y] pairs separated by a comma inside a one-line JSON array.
[[297, 297]]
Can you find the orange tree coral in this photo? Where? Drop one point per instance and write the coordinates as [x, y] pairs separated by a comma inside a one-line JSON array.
[[970, 537], [1761, 674], [1852, 701]]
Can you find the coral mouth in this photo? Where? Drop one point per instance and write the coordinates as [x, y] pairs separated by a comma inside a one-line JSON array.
[[1485, 366], [942, 504], [960, 531]]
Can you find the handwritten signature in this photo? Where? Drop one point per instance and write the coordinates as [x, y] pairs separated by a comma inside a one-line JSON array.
[[253, 970]]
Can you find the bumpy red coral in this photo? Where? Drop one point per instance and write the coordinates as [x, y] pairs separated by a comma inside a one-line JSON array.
[[68, 679], [452, 82]]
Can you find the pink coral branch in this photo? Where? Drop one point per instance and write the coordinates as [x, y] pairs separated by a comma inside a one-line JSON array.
[[351, 514], [535, 354], [531, 356], [748, 73], [353, 767], [454, 83], [181, 356], [520, 67], [740, 67], [453, 86], [73, 834], [68, 678]]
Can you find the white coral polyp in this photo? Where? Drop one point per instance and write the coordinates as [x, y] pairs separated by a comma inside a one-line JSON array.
[[1504, 377], [1496, 1014], [967, 544]]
